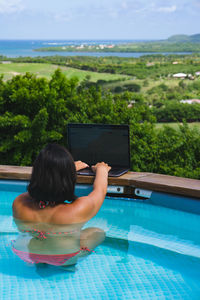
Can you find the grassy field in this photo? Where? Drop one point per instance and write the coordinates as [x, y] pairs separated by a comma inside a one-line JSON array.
[[169, 82], [176, 125], [12, 69]]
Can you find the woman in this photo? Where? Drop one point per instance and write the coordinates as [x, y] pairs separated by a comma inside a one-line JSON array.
[[49, 215]]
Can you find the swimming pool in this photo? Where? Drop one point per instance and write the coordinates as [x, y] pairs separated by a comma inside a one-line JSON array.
[[152, 251]]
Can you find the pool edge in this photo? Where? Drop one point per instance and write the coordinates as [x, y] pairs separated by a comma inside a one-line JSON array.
[[149, 181]]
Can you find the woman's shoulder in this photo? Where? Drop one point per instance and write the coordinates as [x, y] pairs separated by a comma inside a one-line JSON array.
[[21, 204], [76, 212], [21, 199]]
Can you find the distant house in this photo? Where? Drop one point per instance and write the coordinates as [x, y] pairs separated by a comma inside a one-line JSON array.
[[180, 75], [6, 62], [80, 47], [149, 64], [190, 77], [191, 101], [175, 63], [131, 103]]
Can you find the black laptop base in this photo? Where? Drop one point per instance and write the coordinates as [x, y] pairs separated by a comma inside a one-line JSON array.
[[112, 173]]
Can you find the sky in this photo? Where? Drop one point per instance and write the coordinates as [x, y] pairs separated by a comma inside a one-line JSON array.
[[98, 19]]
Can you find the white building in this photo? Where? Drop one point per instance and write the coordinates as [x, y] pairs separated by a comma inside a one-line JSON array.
[[191, 101], [180, 75]]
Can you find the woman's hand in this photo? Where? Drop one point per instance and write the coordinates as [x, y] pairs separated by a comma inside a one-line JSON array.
[[101, 165], [80, 165]]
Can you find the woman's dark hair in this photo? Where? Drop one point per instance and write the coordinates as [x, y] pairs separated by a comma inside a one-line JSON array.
[[54, 176]]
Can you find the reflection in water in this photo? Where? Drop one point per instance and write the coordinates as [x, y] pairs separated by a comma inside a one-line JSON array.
[[59, 245], [117, 243], [121, 245]]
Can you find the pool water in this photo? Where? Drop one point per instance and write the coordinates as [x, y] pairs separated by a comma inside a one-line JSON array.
[[150, 252]]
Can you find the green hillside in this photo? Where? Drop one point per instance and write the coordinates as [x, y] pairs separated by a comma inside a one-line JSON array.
[[183, 38], [46, 70]]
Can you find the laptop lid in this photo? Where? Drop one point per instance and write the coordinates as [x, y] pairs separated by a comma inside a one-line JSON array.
[[92, 143]]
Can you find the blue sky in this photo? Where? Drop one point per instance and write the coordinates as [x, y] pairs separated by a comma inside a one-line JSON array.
[[98, 19]]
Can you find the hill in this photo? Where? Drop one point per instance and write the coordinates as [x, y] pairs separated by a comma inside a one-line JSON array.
[[183, 38]]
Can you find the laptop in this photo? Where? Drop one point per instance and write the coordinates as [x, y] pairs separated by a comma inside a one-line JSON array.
[[93, 143]]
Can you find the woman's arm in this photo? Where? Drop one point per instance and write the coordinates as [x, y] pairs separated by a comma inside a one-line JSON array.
[[87, 207]]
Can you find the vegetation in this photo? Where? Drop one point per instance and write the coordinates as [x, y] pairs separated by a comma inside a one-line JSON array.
[[151, 84], [47, 69], [177, 125], [182, 38], [36, 107], [35, 111], [149, 66], [176, 111]]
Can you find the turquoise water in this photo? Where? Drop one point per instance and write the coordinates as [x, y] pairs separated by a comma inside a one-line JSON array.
[[16, 48], [151, 252]]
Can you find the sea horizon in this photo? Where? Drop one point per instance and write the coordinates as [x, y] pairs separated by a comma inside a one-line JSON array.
[[12, 48], [85, 39]]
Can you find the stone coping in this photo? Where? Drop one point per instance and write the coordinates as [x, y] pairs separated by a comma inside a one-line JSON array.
[[150, 181]]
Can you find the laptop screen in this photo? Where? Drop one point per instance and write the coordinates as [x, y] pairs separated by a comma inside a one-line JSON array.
[[92, 143]]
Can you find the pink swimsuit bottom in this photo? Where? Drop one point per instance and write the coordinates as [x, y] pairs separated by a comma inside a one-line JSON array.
[[51, 259]]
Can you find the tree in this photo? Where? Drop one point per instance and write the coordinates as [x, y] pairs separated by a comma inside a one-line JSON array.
[[35, 111]]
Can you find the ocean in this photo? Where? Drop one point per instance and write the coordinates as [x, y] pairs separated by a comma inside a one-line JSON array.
[[24, 48]]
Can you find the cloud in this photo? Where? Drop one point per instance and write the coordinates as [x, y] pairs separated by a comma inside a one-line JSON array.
[[113, 13], [62, 17], [10, 6], [149, 7], [124, 5], [167, 9]]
